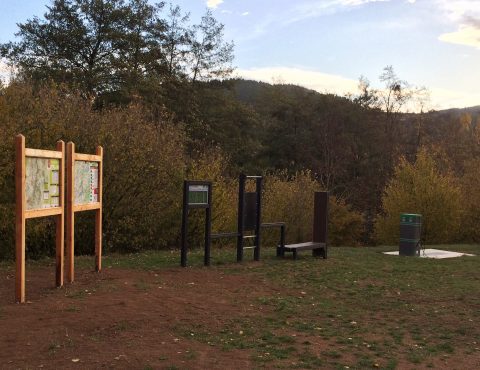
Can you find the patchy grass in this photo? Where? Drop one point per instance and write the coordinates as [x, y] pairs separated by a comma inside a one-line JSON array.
[[357, 309], [379, 308], [360, 308]]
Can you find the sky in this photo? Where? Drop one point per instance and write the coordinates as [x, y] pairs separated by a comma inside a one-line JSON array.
[[326, 45]]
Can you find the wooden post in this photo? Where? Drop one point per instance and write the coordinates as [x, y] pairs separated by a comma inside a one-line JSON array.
[[184, 247], [70, 217], [60, 219], [20, 207], [320, 222], [240, 215], [258, 219], [98, 214]]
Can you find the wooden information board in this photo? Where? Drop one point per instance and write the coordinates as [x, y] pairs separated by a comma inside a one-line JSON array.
[[39, 188], [84, 193]]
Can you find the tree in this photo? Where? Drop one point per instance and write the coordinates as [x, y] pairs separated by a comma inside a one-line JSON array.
[[132, 46], [118, 46], [470, 182], [211, 57], [75, 43], [176, 41], [368, 97]]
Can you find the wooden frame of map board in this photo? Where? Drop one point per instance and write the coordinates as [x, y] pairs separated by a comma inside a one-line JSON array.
[[39, 188], [84, 193]]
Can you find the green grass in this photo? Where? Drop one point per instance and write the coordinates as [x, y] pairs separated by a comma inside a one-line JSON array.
[[356, 295], [359, 308]]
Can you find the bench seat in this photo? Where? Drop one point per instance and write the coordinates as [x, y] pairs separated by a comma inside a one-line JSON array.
[[319, 249]]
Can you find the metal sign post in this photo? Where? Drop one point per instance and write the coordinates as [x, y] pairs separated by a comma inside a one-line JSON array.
[[196, 194]]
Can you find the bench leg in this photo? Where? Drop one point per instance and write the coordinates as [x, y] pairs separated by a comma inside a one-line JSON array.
[[294, 254]]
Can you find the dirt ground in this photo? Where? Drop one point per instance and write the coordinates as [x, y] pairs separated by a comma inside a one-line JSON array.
[[130, 319], [121, 319]]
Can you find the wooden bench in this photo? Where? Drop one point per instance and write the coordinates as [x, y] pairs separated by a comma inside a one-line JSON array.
[[320, 221], [318, 249]]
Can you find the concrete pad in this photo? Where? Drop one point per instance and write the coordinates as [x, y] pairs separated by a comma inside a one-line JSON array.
[[435, 253]]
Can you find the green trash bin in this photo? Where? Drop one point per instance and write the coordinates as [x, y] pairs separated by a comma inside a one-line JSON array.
[[410, 234]]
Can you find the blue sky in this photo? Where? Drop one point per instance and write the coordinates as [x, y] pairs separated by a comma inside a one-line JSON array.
[[327, 45]]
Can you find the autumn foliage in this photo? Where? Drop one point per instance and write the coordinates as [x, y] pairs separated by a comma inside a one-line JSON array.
[[421, 187], [146, 161]]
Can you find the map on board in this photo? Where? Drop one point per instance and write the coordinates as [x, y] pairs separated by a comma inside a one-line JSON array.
[[42, 183], [86, 182], [198, 194]]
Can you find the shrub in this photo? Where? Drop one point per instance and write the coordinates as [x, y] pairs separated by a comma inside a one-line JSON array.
[[290, 199], [144, 168], [211, 165], [346, 225], [421, 188], [470, 182]]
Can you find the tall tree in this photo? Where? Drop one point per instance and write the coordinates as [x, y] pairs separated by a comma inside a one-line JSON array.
[[112, 46], [211, 57], [176, 41], [74, 43]]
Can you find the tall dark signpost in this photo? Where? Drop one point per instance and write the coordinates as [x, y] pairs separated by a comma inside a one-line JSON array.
[[197, 194], [249, 215]]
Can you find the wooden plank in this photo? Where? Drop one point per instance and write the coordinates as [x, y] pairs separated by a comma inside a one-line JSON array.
[[44, 212], [60, 220], [20, 207], [39, 153], [87, 157], [86, 207], [70, 213], [98, 214], [304, 246]]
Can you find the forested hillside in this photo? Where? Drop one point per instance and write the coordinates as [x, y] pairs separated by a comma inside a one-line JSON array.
[[149, 83]]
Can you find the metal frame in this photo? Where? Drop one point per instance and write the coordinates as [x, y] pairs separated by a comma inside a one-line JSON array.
[[241, 212], [240, 233]]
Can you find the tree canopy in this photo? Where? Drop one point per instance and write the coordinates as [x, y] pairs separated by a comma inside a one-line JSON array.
[[114, 46]]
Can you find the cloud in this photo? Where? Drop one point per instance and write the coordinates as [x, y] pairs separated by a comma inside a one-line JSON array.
[[440, 98], [214, 3], [459, 10], [4, 67], [313, 9], [321, 82], [465, 16], [6, 72], [465, 35], [445, 99], [358, 2], [245, 13], [299, 11]]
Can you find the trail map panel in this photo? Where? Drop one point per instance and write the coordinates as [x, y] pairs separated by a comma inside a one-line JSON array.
[[42, 184], [86, 182], [198, 195]]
